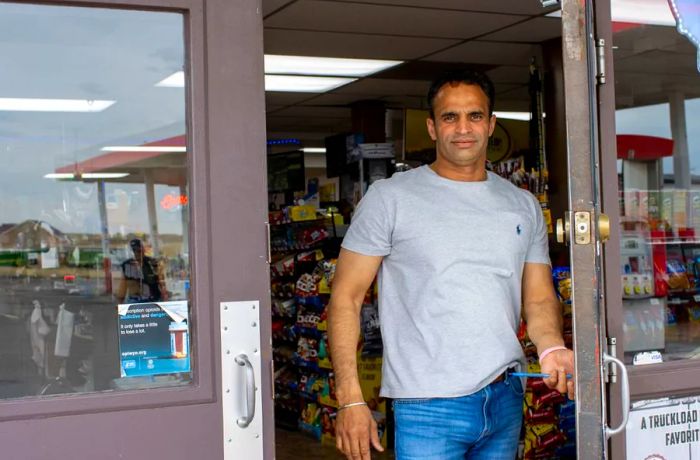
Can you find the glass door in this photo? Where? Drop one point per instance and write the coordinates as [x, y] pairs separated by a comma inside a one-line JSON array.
[[650, 153], [131, 278], [585, 228]]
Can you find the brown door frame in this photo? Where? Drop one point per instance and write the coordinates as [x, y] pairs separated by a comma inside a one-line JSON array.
[[238, 174], [611, 207], [581, 132], [227, 178]]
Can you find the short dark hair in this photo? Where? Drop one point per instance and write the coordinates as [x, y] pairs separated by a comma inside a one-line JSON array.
[[464, 76]]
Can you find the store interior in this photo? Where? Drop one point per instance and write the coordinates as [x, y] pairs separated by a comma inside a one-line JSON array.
[[368, 128], [518, 44]]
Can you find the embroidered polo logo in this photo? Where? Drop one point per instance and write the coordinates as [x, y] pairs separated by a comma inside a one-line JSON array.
[[518, 229]]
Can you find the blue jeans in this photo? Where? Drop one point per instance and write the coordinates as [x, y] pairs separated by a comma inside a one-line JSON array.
[[484, 425]]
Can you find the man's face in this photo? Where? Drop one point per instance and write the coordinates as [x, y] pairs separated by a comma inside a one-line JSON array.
[[138, 251], [462, 126]]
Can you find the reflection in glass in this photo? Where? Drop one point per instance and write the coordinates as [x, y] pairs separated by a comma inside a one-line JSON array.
[[95, 209], [658, 149]]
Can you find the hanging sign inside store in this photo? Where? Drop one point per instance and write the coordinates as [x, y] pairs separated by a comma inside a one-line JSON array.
[[666, 429], [500, 144], [153, 338]]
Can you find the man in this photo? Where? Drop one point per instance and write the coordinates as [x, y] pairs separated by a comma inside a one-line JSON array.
[[458, 250], [142, 277]]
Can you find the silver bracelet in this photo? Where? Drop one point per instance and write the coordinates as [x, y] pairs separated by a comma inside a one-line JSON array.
[[345, 406]]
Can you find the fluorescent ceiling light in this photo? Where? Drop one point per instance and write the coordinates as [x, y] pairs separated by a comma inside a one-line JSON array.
[[144, 148], [105, 175], [299, 84], [339, 67], [52, 105], [59, 176], [524, 116], [314, 150], [651, 12], [176, 80], [304, 65]]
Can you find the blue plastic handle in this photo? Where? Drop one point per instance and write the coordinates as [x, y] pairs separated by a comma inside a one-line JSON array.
[[534, 375]]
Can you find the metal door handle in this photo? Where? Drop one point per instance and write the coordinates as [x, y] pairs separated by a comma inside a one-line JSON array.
[[243, 361], [625, 390]]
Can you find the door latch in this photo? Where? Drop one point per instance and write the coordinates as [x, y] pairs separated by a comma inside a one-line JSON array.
[[603, 227], [582, 227]]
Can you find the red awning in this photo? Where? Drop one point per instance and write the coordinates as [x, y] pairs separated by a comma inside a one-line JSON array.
[[638, 147], [168, 168], [113, 160]]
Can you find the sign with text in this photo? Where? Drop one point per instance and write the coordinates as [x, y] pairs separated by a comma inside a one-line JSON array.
[[666, 429], [153, 338]]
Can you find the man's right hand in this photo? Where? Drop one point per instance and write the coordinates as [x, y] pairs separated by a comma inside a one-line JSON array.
[[355, 430]]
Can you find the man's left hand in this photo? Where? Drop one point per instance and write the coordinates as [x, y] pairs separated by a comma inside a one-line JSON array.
[[557, 364]]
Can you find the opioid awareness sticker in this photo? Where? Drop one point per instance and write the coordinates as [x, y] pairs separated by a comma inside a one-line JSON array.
[[153, 338], [664, 429]]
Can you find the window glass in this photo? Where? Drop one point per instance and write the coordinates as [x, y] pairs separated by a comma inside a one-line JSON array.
[[657, 87], [94, 260]]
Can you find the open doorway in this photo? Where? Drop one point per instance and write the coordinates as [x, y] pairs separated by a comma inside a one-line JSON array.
[[314, 184]]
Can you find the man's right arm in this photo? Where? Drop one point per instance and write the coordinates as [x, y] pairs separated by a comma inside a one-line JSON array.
[[353, 277]]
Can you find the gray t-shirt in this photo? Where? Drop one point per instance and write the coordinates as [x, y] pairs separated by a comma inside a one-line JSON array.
[[450, 280]]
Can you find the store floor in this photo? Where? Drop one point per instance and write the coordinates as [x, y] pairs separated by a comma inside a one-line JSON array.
[[293, 445]]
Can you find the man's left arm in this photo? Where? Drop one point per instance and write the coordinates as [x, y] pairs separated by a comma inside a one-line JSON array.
[[543, 314]]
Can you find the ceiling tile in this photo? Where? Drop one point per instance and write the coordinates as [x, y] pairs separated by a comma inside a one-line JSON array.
[[314, 111], [273, 107], [535, 30], [270, 6], [378, 87], [278, 98], [512, 105], [387, 20], [346, 45], [478, 52], [510, 74], [521, 92], [424, 70], [509, 6], [408, 102], [504, 88], [335, 99]]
